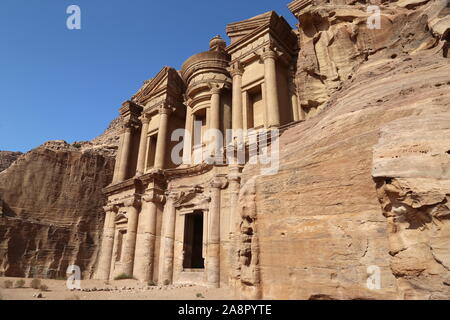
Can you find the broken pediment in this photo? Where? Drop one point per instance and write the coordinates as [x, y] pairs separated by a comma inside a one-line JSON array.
[[239, 29], [166, 86], [268, 29]]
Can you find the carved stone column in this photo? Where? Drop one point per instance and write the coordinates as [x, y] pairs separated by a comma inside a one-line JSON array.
[[104, 262], [166, 272], [125, 154], [118, 157], [215, 108], [270, 78], [236, 72], [146, 236], [161, 142], [142, 146], [294, 103], [213, 258], [215, 121], [132, 208], [189, 133]]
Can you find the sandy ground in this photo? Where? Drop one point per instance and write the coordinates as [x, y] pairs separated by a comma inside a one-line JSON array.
[[120, 290]]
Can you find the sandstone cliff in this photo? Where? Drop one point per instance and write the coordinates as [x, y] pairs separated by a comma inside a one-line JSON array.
[[51, 214], [7, 158], [365, 184]]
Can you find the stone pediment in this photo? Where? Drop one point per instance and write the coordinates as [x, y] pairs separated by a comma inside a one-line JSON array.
[[250, 36], [166, 87], [237, 30]]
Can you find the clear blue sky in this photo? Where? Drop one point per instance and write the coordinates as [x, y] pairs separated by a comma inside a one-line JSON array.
[[60, 84]]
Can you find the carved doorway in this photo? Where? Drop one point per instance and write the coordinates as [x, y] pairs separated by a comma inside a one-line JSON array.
[[193, 241]]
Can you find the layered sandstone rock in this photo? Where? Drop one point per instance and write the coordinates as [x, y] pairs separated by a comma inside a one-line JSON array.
[[7, 158], [51, 213], [411, 166], [363, 185], [337, 37]]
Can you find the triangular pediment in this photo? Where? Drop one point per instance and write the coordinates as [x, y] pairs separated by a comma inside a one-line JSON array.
[[237, 30], [268, 29], [167, 82]]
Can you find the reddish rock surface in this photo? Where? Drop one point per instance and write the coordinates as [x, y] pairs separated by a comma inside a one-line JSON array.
[[52, 214], [365, 183]]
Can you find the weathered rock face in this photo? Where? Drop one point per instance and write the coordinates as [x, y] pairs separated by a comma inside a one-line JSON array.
[[52, 213], [7, 158], [364, 185], [411, 166], [335, 40]]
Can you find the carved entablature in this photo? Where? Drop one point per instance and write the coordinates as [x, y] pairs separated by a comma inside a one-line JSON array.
[[251, 37], [155, 187], [130, 113], [190, 171], [120, 187], [153, 179], [167, 88], [204, 80]]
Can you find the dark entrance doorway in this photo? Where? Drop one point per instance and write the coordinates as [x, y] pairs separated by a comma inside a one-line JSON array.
[[193, 241]]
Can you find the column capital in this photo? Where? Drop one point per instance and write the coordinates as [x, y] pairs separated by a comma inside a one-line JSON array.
[[166, 109], [153, 197], [269, 53], [132, 202], [145, 119], [126, 127], [236, 69], [215, 88], [216, 91], [219, 182], [129, 125]]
